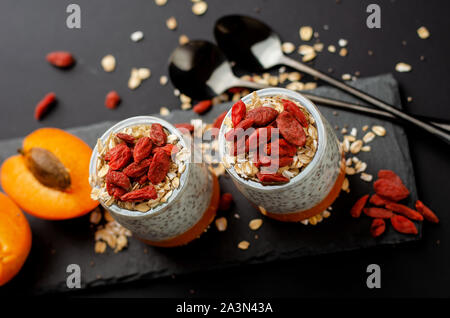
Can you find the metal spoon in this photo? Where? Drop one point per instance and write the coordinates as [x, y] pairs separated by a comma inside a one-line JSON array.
[[250, 42], [200, 70]]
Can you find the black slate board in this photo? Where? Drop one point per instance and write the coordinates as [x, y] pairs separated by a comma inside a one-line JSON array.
[[58, 244]]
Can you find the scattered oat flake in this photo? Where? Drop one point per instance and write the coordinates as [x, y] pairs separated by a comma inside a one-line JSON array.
[[160, 2], [164, 111], [305, 49], [423, 32], [137, 36], [171, 23], [366, 148], [309, 57], [144, 73], [221, 224], [306, 33], [409, 99], [108, 63], [366, 177], [199, 8], [288, 47], [331, 48], [100, 247], [379, 130], [318, 47], [183, 39], [346, 77], [243, 245], [403, 67], [255, 224], [342, 42], [163, 80], [343, 52], [368, 137]]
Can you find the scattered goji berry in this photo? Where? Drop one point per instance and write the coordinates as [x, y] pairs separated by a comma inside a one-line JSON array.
[[226, 199], [426, 212], [159, 167], [377, 228], [239, 129], [262, 116], [157, 135], [271, 177], [377, 200], [291, 129], [186, 126], [234, 90], [112, 99], [358, 206], [390, 189], [118, 178], [137, 169], [125, 137], [291, 107], [115, 191], [119, 156], [61, 59], [403, 225], [378, 213], [146, 193], [44, 105], [202, 107], [404, 210], [142, 149], [238, 112]]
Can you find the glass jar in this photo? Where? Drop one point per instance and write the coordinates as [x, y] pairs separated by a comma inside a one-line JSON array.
[[311, 191], [187, 212]]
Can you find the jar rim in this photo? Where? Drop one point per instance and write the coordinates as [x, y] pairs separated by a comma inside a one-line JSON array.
[[322, 138]]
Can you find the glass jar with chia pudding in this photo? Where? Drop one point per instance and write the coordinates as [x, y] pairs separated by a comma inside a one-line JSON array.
[[141, 173], [282, 154]]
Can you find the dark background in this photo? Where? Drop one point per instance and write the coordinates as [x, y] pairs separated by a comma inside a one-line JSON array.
[[31, 29]]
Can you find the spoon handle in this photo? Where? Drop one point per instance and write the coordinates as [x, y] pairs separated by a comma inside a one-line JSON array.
[[370, 99], [362, 109]]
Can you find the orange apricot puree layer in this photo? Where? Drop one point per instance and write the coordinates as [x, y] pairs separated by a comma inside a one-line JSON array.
[[321, 206], [195, 231]]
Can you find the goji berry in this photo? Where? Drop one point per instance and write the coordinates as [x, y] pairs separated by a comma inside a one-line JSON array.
[[186, 126], [274, 164], [271, 177], [426, 212], [118, 178], [378, 213], [157, 135], [125, 137], [404, 210], [259, 138], [281, 148], [115, 191], [146, 193], [202, 107], [239, 129], [168, 149], [358, 206], [262, 116], [377, 227], [390, 189], [137, 169], [44, 105], [234, 90], [118, 156], [238, 112], [226, 199], [239, 147], [142, 179], [142, 149], [291, 129], [112, 99], [159, 167], [403, 225], [377, 200], [291, 107], [61, 59], [389, 174]]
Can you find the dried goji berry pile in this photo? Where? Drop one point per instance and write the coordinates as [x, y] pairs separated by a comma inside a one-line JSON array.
[[138, 167], [389, 190], [276, 136]]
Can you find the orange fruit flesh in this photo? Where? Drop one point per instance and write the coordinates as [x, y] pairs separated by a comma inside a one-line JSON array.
[[15, 239], [195, 231], [44, 202]]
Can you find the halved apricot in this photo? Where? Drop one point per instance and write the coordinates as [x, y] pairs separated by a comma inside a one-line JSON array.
[[15, 239], [43, 201]]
